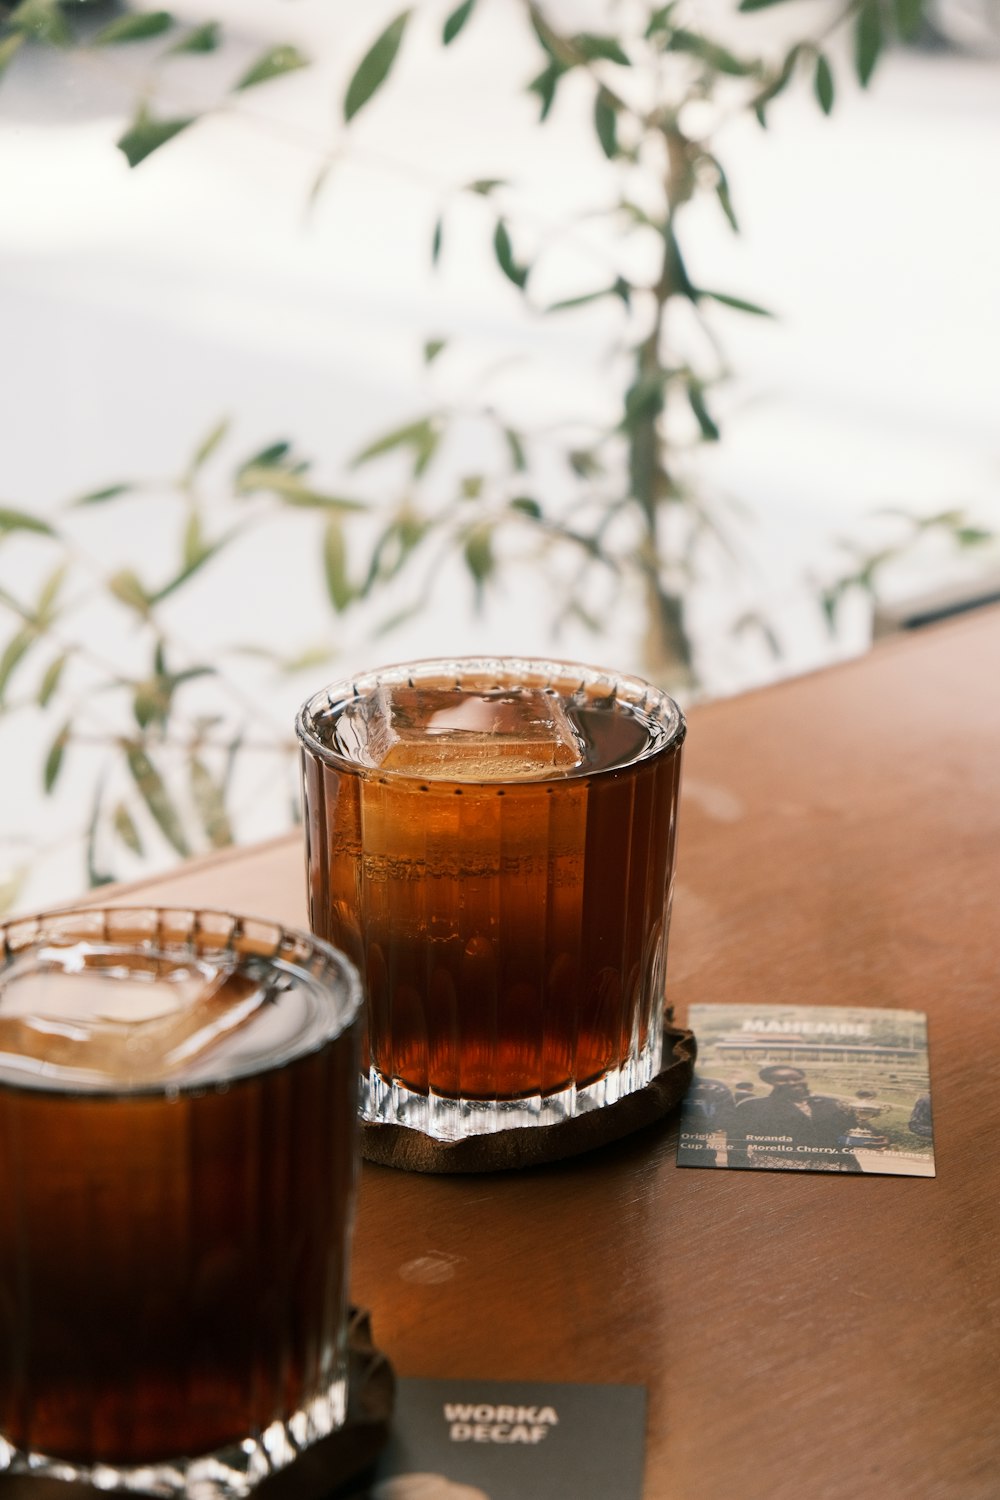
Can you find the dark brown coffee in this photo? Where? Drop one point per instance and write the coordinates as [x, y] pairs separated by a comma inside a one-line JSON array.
[[496, 857], [173, 1253]]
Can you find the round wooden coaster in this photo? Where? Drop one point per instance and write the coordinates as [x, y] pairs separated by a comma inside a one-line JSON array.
[[411, 1151], [320, 1472]]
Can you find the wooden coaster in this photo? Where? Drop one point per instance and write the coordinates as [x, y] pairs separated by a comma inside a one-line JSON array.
[[411, 1151], [320, 1471]]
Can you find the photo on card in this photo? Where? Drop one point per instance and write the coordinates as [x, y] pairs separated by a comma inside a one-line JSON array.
[[809, 1088]]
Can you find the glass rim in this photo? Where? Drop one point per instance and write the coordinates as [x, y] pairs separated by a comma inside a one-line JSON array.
[[201, 932], [543, 672]]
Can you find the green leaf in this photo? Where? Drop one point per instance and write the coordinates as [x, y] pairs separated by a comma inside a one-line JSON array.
[[45, 603], [375, 67], [423, 437], [194, 546], [134, 27], [262, 653], [739, 303], [301, 661], [432, 349], [515, 445], [189, 673], [153, 791], [545, 86], [154, 697], [204, 38], [908, 16], [456, 21], [484, 186], [42, 20], [568, 303], [410, 530], [319, 182], [725, 197], [659, 21], [823, 84], [679, 280], [583, 463], [973, 536], [504, 251], [124, 826], [436, 240], [54, 759], [829, 599], [638, 215], [204, 555], [709, 429], [868, 40], [338, 585], [479, 558], [268, 457], [746, 5], [127, 588], [151, 702], [527, 507], [20, 520], [778, 83], [400, 538], [14, 653], [146, 135], [50, 681], [8, 47], [98, 497], [209, 799], [208, 445], [424, 452], [271, 64], [719, 59], [293, 490], [606, 123], [95, 876], [593, 47]]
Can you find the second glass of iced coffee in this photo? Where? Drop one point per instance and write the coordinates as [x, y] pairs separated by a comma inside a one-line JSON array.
[[492, 842]]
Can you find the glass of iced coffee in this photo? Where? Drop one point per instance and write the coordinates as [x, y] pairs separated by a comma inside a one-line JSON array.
[[492, 844], [178, 1121]]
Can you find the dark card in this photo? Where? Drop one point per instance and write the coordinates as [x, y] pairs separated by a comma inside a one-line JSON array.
[[809, 1088], [513, 1440]]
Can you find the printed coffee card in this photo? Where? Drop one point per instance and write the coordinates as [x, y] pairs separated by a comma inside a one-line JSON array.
[[809, 1088], [513, 1440]]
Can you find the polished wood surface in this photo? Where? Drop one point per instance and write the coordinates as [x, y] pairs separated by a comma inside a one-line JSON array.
[[802, 1337]]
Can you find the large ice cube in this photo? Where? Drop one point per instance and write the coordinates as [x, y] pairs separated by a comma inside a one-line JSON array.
[[497, 734], [113, 1016]]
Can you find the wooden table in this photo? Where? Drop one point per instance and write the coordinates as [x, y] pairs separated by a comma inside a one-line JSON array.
[[803, 1336]]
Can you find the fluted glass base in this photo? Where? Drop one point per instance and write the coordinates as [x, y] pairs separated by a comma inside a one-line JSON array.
[[446, 1118], [227, 1475]]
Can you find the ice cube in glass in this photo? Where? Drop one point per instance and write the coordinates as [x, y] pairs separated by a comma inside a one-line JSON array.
[[493, 734]]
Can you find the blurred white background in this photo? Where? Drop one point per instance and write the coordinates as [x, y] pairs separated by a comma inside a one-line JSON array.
[[138, 308]]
